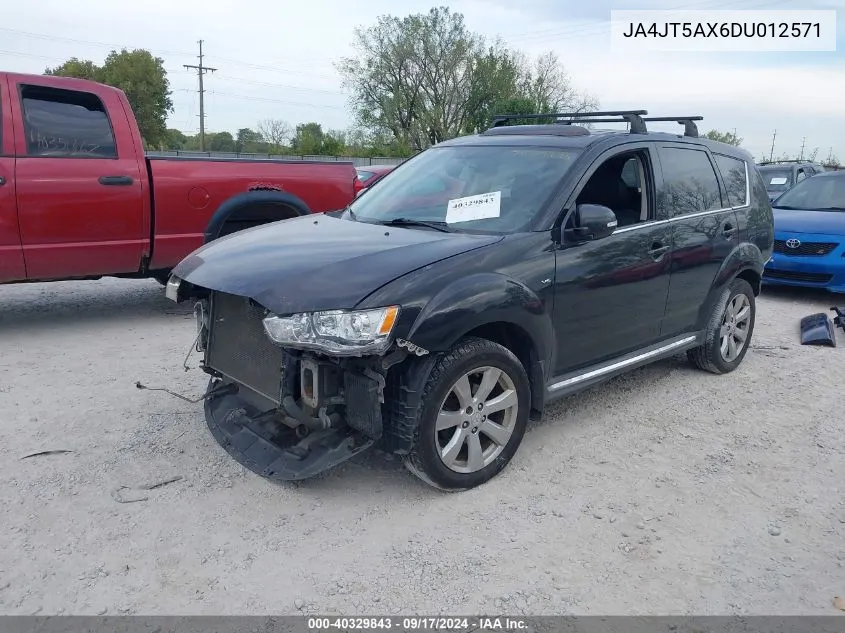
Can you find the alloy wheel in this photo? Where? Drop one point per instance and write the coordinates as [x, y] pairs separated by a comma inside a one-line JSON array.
[[476, 419], [733, 333]]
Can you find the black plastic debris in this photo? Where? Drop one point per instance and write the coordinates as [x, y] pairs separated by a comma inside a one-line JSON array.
[[839, 319], [817, 329]]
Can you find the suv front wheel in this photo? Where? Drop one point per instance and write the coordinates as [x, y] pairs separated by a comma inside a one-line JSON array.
[[729, 330], [474, 412]]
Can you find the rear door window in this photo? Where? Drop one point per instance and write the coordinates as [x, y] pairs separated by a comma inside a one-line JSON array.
[[689, 180]]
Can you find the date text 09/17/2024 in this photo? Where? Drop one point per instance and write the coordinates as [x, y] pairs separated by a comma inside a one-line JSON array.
[[452, 624]]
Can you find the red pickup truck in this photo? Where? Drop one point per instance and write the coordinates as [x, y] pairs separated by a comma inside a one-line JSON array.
[[80, 199]]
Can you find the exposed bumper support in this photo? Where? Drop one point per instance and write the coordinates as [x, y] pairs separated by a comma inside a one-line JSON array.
[[272, 450]]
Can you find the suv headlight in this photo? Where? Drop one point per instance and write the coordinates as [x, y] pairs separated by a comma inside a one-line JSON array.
[[339, 332]]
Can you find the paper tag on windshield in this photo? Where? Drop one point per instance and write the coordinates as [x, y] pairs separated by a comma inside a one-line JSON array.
[[777, 181], [484, 205]]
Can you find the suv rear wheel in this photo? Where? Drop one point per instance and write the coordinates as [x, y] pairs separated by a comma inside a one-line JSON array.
[[729, 330], [474, 413]]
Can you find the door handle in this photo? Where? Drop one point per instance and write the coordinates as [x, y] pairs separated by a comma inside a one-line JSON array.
[[116, 180], [2, 181], [728, 230], [658, 250]]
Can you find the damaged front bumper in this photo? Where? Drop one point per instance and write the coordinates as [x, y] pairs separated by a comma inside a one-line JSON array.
[[262, 443], [282, 413]]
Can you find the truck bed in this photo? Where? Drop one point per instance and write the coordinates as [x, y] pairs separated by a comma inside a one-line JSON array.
[[186, 191]]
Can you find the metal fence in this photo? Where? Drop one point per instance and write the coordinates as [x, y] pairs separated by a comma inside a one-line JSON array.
[[359, 161]]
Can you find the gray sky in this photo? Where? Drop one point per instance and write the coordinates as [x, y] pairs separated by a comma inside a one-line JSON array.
[[275, 59]]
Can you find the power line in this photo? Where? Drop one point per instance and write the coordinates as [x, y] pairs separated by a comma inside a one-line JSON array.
[[268, 100], [201, 70], [93, 43]]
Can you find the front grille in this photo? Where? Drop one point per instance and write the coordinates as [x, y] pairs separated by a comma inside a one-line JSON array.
[[238, 347], [805, 249], [788, 275]]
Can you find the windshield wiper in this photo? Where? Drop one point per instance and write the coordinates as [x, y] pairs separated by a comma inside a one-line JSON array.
[[437, 226], [829, 209]]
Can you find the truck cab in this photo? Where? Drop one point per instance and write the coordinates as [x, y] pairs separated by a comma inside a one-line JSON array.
[[80, 199]]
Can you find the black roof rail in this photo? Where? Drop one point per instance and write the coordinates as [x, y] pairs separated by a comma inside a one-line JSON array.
[[788, 160], [632, 117], [690, 128]]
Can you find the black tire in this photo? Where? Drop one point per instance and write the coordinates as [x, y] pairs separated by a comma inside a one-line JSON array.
[[709, 356], [424, 460], [161, 276]]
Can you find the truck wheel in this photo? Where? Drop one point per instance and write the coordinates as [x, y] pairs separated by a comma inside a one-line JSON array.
[[474, 412], [729, 331], [161, 276]]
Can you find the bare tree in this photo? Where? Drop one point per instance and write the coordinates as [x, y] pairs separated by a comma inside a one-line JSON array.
[[275, 131], [550, 89]]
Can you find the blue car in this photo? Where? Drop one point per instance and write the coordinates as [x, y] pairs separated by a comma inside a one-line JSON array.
[[810, 234]]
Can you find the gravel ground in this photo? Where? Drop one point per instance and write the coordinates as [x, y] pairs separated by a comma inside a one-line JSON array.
[[667, 491]]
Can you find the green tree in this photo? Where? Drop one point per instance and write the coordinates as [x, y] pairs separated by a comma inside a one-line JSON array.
[[724, 137], [75, 67], [141, 76], [222, 142], [175, 139], [247, 140], [426, 77], [308, 139]]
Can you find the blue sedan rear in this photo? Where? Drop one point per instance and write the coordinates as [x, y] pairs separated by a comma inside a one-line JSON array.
[[810, 235]]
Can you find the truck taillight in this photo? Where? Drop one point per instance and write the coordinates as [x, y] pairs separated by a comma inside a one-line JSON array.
[[357, 185]]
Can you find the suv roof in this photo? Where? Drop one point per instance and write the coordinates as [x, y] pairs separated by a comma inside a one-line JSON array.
[[566, 133]]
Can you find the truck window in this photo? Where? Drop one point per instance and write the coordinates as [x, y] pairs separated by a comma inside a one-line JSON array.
[[736, 183], [66, 124], [690, 181]]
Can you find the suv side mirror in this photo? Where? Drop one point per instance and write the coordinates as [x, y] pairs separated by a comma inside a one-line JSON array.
[[592, 222]]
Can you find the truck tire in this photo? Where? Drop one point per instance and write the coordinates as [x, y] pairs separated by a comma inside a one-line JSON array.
[[728, 333], [161, 276], [457, 446]]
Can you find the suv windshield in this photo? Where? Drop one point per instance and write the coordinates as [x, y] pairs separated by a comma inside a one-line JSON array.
[[489, 189], [777, 179], [826, 193]]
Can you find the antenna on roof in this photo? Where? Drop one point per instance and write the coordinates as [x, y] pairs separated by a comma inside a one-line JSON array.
[[690, 128]]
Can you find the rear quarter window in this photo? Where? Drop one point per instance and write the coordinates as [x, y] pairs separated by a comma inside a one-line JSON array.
[[735, 177], [66, 124]]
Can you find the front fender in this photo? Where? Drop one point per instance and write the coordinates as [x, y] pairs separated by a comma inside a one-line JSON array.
[[477, 300]]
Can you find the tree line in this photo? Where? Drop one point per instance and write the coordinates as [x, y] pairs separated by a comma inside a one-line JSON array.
[[414, 81]]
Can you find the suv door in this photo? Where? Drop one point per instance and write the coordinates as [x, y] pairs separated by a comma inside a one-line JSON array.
[[610, 294], [80, 191], [704, 231], [11, 253]]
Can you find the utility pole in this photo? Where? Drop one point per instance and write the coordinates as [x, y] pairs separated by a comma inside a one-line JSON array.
[[803, 140], [772, 154], [201, 70], [830, 156]]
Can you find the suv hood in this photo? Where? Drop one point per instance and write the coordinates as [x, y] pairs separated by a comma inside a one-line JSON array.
[[820, 222], [318, 262]]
